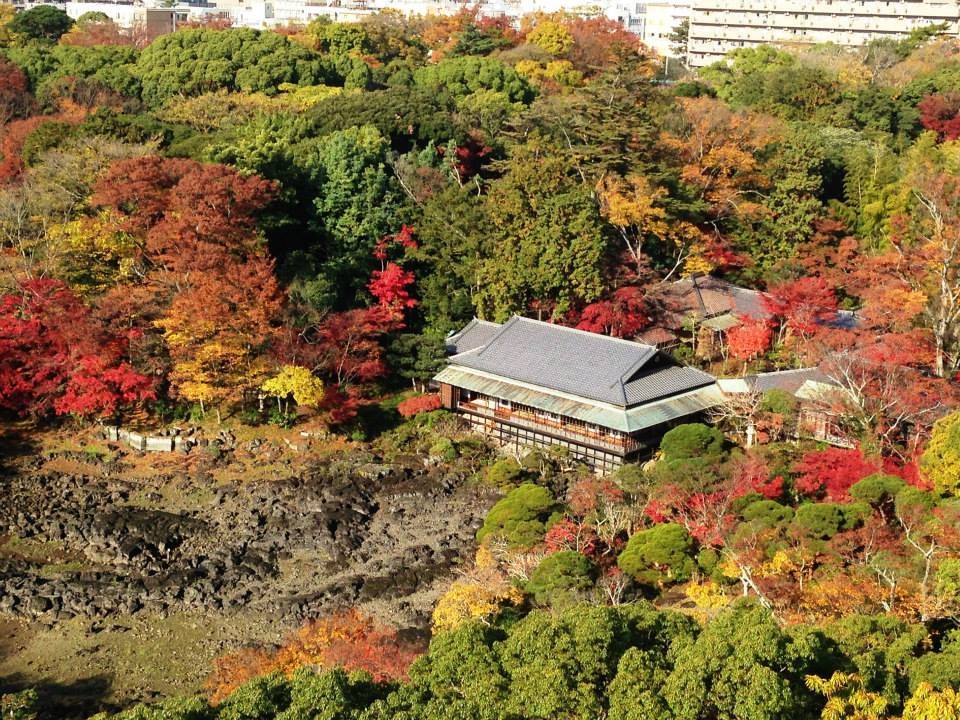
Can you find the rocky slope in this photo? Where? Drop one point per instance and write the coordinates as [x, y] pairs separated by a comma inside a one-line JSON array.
[[350, 531]]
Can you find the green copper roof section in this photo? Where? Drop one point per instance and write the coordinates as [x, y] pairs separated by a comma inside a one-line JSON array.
[[721, 322], [608, 416]]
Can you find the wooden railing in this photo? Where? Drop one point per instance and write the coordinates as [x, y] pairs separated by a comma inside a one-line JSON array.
[[621, 445]]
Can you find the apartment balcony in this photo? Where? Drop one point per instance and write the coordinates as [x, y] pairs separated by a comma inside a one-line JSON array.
[[561, 430]]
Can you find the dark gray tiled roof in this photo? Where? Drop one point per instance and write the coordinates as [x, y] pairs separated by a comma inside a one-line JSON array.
[[584, 364], [475, 334], [706, 296], [787, 380], [663, 381]]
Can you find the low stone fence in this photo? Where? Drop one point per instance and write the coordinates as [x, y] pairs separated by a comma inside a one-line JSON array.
[[172, 440]]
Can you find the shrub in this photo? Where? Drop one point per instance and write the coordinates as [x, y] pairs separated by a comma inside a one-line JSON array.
[[418, 404], [505, 473], [19, 706], [521, 517], [444, 449], [911, 501], [692, 440], [877, 489], [559, 575], [940, 669], [855, 514], [779, 402], [767, 512], [820, 520], [659, 555], [707, 560], [630, 477], [534, 460]]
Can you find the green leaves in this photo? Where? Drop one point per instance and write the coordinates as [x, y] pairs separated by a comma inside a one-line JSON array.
[[659, 555], [190, 62], [465, 75], [521, 517]]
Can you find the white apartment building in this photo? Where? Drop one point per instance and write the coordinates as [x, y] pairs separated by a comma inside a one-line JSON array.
[[655, 21], [718, 27], [271, 13]]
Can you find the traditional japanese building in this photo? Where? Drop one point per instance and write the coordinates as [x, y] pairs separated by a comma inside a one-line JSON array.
[[533, 383]]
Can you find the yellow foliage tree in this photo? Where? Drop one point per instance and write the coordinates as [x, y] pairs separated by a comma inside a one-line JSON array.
[[215, 110], [294, 381], [847, 698], [941, 460], [480, 595], [470, 599], [720, 152], [552, 37], [530, 69], [6, 15], [632, 206], [929, 704], [563, 72], [93, 254]]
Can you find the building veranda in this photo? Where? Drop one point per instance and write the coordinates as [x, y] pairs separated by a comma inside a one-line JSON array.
[[531, 383]]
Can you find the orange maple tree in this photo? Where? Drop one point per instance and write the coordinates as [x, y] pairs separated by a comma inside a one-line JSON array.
[[347, 639]]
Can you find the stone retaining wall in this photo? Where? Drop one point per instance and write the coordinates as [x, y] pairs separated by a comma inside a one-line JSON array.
[[172, 440]]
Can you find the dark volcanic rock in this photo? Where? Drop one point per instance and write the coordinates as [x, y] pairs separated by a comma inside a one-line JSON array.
[[338, 535]]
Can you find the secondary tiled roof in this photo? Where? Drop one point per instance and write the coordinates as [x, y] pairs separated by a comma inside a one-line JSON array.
[[579, 363], [657, 336], [790, 381], [475, 334], [787, 380], [705, 297]]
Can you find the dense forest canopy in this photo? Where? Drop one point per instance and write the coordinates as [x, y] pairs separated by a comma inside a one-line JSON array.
[[195, 224]]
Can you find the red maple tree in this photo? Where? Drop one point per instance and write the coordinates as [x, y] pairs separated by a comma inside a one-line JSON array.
[[15, 98], [941, 113], [418, 404], [749, 340], [830, 473], [55, 358], [623, 315]]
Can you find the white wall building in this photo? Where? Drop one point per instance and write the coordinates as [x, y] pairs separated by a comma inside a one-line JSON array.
[[270, 13], [662, 18], [721, 26]]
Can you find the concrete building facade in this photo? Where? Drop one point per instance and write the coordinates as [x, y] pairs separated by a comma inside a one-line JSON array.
[[718, 27], [655, 21]]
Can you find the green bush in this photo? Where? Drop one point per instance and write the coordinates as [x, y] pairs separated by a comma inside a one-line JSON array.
[[692, 440], [534, 460], [46, 137], [505, 473], [43, 22], [559, 576], [659, 555], [19, 706], [262, 697], [707, 560], [855, 514], [630, 477], [877, 489], [940, 669], [767, 512], [911, 500], [444, 449], [521, 517], [780, 402], [820, 520]]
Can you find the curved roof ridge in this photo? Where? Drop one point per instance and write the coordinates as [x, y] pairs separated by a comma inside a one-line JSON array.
[[589, 333]]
